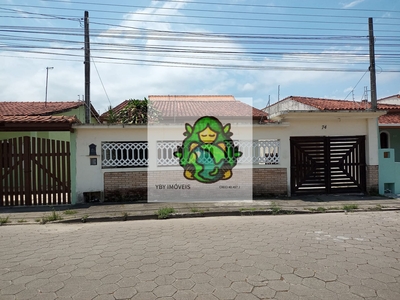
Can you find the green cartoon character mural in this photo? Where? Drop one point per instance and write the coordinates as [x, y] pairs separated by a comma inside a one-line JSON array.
[[208, 153]]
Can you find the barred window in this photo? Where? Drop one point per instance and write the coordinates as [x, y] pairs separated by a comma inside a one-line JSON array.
[[124, 154], [256, 152]]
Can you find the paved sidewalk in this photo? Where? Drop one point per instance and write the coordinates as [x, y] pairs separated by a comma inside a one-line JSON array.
[[97, 212]]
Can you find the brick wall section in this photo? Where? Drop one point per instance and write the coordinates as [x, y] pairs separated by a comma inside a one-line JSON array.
[[265, 181], [372, 179], [269, 181]]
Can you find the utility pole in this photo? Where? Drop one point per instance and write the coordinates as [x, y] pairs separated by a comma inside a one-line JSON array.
[[87, 69], [372, 72], [47, 82]]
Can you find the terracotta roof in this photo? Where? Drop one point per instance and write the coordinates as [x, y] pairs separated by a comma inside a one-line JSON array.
[[196, 106], [36, 108], [202, 108], [206, 98], [38, 119], [391, 118], [332, 104]]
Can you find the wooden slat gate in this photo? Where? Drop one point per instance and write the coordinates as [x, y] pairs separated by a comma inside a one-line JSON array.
[[34, 171], [327, 164]]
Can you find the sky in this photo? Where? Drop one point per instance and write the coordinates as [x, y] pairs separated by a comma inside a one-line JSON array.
[[258, 51]]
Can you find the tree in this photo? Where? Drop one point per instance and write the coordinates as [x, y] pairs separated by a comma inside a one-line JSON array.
[[135, 112]]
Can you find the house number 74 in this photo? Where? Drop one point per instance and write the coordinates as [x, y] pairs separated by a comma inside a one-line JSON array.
[[323, 127]]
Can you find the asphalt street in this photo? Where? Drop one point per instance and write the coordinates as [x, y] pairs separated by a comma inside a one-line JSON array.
[[320, 256]]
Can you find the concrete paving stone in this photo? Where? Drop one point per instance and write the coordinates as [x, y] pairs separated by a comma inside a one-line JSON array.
[[203, 288], [375, 284], [182, 274], [165, 270], [349, 280], [224, 293], [388, 294], [393, 287], [283, 269], [217, 272], [198, 269], [325, 276], [45, 296], [8, 297], [383, 278], [37, 283], [164, 280], [206, 297], [183, 284], [108, 288], [236, 276], [313, 283], [68, 290], [390, 271], [337, 287], [245, 296], [164, 291], [184, 295], [231, 267], [270, 275], [104, 297], [13, 275], [113, 278], [182, 266], [51, 287], [146, 276], [326, 294], [220, 282], [200, 278], [278, 285], [264, 292], [145, 286], [304, 272], [286, 296], [241, 287], [26, 294], [363, 291]]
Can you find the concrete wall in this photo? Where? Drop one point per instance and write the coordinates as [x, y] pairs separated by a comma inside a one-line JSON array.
[[287, 105]]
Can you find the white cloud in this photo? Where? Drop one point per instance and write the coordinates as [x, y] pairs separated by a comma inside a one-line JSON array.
[[352, 4]]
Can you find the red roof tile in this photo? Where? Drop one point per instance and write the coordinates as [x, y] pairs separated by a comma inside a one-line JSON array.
[[196, 106], [36, 108], [39, 119], [332, 104], [391, 118], [206, 98]]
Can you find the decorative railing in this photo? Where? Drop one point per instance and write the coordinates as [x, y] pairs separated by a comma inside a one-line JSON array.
[[124, 154], [255, 152]]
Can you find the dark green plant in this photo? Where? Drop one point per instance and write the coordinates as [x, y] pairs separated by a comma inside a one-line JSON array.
[[70, 212], [84, 218], [125, 216], [4, 220], [165, 212], [135, 112], [275, 209]]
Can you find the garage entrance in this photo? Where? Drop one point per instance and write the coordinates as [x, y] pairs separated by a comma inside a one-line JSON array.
[[327, 164]]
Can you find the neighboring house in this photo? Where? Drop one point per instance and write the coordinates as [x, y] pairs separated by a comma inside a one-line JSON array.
[[389, 154], [283, 152], [36, 158], [388, 112]]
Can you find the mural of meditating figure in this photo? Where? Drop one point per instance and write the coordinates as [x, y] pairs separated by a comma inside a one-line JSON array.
[[208, 153]]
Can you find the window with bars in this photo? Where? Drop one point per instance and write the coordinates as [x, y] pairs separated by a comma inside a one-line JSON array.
[[262, 152], [124, 154]]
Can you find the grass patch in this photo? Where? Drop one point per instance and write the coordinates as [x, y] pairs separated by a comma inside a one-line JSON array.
[[37, 220], [22, 221], [70, 212], [165, 212], [84, 218], [5, 220], [54, 216], [350, 207], [196, 210], [247, 209], [275, 209], [125, 216], [376, 207]]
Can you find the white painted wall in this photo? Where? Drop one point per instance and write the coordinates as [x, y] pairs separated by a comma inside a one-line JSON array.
[[91, 178], [288, 105]]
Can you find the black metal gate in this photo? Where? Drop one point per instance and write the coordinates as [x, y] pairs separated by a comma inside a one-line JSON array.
[[327, 164]]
